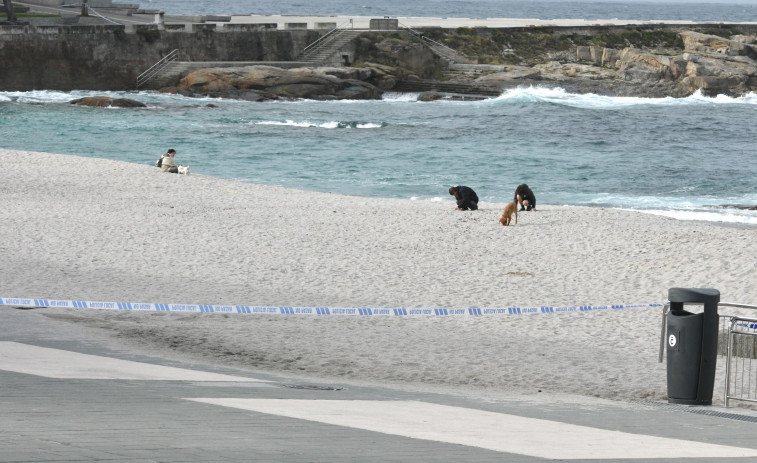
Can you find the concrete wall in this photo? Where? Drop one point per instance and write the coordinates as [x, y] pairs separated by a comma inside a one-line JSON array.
[[48, 2], [109, 58], [92, 3], [59, 57]]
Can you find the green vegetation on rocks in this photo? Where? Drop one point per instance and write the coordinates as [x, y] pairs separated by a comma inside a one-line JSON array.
[[638, 38], [528, 46]]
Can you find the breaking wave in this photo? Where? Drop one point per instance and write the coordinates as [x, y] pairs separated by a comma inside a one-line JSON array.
[[707, 209], [593, 101], [325, 125]]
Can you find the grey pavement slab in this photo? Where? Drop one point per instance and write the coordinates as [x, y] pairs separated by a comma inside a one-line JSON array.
[[129, 420]]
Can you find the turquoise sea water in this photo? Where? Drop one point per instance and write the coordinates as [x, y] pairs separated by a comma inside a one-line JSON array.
[[678, 157]]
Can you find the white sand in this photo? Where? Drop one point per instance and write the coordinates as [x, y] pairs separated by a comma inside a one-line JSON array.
[[99, 230]]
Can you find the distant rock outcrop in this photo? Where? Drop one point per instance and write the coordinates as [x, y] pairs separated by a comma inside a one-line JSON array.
[[709, 63], [257, 83], [105, 102], [680, 63], [746, 207]]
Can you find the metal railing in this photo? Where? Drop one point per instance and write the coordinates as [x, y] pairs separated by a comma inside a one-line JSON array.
[[665, 310], [156, 68], [96, 13], [326, 37], [737, 342], [741, 359], [439, 48]]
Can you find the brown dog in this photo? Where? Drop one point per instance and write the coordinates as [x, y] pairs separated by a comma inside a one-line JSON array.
[[507, 214]]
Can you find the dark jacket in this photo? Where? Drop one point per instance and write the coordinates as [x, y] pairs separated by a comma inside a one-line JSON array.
[[525, 193], [466, 197]]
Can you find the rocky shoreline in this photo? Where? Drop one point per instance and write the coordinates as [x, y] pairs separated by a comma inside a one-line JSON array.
[[258, 83], [697, 61]]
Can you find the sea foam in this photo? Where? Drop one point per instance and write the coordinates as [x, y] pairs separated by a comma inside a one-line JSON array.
[[557, 95], [733, 216], [324, 125]]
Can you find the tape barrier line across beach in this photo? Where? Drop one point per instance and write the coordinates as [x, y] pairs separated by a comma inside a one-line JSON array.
[[318, 311]]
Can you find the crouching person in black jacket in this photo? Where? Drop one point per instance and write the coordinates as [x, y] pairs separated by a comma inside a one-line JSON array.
[[525, 197], [465, 196]]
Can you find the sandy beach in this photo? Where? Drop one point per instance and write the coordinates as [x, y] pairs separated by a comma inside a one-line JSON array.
[[100, 230]]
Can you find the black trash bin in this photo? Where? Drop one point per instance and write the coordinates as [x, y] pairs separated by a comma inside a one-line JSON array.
[[692, 345]]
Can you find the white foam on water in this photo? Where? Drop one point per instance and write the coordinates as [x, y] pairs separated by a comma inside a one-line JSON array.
[[435, 199], [726, 216], [557, 95], [43, 96], [400, 97], [147, 97], [289, 123], [322, 125], [689, 208]]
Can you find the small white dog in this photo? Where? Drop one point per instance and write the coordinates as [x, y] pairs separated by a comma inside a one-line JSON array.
[[184, 170]]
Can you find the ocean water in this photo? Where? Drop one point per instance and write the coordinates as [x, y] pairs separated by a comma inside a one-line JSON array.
[[683, 158], [683, 10]]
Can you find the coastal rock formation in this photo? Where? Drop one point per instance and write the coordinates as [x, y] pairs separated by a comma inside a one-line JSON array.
[[404, 53], [624, 62], [257, 83], [746, 207], [107, 102], [712, 64], [632, 60]]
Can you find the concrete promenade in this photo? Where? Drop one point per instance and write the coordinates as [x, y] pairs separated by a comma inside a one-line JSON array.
[[71, 393], [362, 22], [285, 22]]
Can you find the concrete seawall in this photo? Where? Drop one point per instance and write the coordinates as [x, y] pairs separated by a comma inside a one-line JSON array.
[[109, 58]]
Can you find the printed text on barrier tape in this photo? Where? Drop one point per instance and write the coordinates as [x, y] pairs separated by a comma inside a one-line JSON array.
[[246, 309]]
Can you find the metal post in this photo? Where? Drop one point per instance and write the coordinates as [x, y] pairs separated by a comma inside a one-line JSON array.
[[728, 364], [729, 347], [160, 20], [664, 329], [84, 8]]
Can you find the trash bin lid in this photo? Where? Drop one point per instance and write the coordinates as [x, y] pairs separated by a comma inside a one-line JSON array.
[[705, 295]]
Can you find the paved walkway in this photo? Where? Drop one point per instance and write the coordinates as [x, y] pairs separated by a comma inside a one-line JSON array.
[[284, 22], [69, 393], [363, 22]]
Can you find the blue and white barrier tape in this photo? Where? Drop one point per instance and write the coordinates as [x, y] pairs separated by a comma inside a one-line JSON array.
[[363, 311]]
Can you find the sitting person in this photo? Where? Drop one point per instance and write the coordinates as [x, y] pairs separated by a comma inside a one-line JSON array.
[[465, 196], [168, 164], [525, 197]]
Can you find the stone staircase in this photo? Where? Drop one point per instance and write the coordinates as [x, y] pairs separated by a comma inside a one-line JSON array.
[[449, 55], [322, 51], [168, 76], [471, 71], [319, 53]]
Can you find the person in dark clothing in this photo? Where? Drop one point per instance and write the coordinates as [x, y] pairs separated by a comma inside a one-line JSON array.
[[465, 196], [525, 197]]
